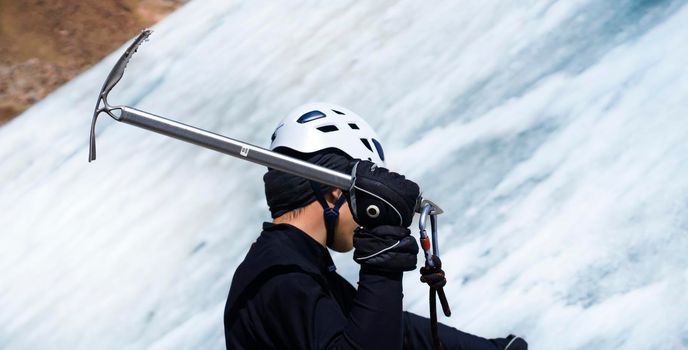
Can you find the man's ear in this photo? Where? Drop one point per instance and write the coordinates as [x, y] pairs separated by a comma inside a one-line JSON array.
[[333, 195]]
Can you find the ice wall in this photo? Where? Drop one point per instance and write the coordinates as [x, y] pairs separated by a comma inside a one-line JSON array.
[[553, 133]]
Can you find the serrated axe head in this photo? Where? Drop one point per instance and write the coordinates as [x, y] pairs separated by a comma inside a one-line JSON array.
[[112, 79]]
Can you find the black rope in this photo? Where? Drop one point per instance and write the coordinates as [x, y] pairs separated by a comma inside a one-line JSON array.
[[434, 277], [433, 320]]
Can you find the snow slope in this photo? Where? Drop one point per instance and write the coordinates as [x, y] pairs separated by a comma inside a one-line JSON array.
[[553, 133]]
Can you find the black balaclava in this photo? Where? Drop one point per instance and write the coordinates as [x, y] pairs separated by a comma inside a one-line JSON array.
[[285, 192]]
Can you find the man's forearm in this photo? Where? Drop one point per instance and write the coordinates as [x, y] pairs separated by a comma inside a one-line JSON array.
[[375, 320]]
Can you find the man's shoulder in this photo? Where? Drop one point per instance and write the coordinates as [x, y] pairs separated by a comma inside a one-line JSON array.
[[279, 245], [275, 286], [270, 257], [269, 250]]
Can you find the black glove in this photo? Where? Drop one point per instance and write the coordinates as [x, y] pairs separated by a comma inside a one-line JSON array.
[[380, 197], [385, 248]]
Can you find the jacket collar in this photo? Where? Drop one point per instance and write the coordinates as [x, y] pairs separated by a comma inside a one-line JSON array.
[[297, 242]]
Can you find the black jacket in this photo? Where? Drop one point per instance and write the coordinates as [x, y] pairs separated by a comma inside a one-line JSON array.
[[287, 295]]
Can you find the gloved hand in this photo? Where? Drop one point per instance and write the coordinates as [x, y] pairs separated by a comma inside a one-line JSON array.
[[385, 248], [380, 197]]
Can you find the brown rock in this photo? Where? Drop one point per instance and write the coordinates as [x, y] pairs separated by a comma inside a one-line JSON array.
[[44, 44]]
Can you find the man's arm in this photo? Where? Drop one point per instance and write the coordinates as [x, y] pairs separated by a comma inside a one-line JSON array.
[[306, 316], [417, 336]]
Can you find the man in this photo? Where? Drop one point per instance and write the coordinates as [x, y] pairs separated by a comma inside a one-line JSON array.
[[286, 293]]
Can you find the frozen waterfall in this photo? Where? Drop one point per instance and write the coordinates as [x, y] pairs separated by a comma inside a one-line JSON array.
[[553, 133]]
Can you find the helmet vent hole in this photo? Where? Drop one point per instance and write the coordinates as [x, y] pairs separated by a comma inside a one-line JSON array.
[[380, 152], [328, 128], [353, 126], [310, 116], [367, 144], [338, 112]]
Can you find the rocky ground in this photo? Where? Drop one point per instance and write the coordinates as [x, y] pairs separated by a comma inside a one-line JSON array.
[[43, 44]]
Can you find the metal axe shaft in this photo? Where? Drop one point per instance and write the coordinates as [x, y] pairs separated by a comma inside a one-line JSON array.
[[234, 147]]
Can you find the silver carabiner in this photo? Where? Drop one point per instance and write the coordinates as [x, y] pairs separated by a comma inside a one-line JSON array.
[[429, 208]]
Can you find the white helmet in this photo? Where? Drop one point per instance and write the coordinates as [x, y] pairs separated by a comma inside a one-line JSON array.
[[316, 126]]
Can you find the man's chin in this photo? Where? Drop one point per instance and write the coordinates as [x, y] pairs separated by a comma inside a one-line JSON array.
[[340, 249]]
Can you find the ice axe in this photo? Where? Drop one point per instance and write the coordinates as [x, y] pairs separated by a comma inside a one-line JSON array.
[[239, 149]]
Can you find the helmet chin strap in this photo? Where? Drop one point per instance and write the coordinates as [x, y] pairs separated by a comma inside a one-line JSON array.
[[331, 215]]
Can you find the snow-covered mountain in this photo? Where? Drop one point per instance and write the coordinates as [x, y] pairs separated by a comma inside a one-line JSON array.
[[554, 134]]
